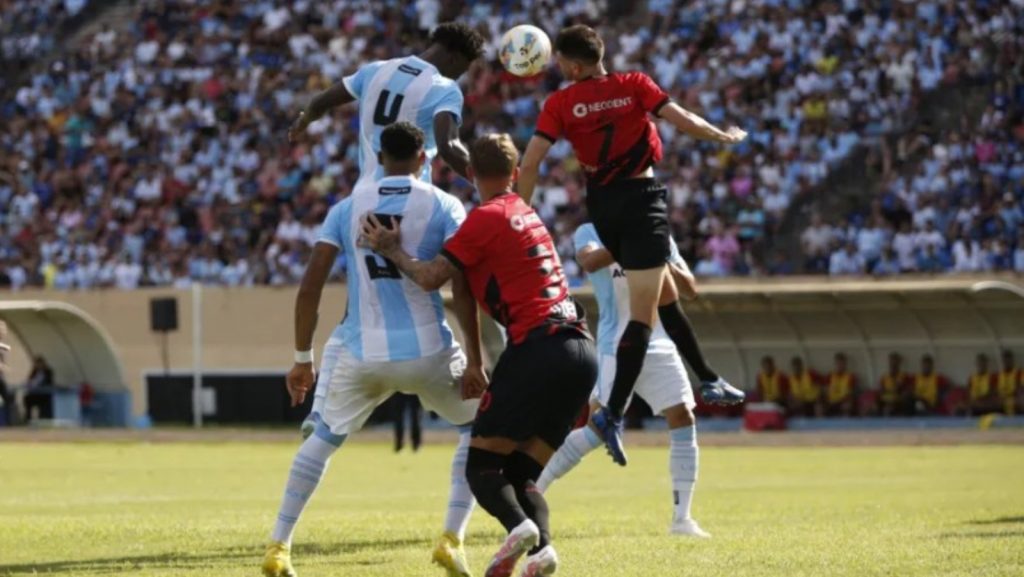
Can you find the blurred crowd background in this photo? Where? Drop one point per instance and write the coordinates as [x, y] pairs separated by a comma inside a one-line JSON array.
[[143, 143]]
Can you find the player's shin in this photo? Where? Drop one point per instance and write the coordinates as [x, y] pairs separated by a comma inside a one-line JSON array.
[[683, 469], [522, 472], [679, 329], [460, 499], [571, 453], [305, 475], [484, 473], [629, 361]]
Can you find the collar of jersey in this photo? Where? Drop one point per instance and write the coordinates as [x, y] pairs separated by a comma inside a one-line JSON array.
[[423, 62], [396, 177]]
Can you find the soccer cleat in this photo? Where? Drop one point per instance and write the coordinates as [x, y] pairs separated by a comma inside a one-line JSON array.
[[611, 431], [720, 392], [451, 556], [309, 425], [277, 562], [541, 563], [519, 541], [688, 528]]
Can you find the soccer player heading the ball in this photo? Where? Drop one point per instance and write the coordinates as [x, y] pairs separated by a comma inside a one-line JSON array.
[[605, 117]]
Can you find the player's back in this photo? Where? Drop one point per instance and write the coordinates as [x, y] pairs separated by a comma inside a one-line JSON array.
[[401, 89], [389, 317], [612, 294]]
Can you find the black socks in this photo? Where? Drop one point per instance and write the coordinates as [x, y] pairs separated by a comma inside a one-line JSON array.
[[681, 332], [486, 478], [629, 360]]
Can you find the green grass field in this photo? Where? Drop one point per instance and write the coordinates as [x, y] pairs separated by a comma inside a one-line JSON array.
[[206, 510]]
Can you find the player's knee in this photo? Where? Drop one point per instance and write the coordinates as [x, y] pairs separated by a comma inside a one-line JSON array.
[[482, 466], [679, 416], [522, 470]]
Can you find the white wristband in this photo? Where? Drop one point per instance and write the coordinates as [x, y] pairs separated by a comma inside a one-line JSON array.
[[304, 356]]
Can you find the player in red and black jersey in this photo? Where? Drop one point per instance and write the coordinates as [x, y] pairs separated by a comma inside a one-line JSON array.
[[544, 376], [606, 117]]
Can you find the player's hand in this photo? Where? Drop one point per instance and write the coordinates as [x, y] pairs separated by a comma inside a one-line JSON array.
[[298, 128], [474, 382], [299, 381], [734, 135], [379, 237]]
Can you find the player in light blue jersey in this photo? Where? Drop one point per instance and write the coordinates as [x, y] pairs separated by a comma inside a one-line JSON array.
[[419, 89], [663, 382], [394, 338]]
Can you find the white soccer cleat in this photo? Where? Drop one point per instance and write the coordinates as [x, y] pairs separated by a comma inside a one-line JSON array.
[[688, 528], [541, 563], [519, 541]]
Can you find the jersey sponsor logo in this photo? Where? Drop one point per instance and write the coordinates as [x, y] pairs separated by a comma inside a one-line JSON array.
[[618, 273], [394, 190], [581, 110], [564, 310], [409, 70], [519, 222]]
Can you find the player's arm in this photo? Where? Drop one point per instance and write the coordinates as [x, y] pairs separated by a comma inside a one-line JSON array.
[[474, 380], [593, 258], [694, 125], [685, 282], [307, 304], [449, 145], [335, 96], [386, 241], [529, 169]]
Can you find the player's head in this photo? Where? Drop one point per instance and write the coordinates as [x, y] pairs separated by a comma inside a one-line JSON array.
[[493, 164], [895, 362], [1007, 359], [401, 149], [579, 50], [927, 364], [841, 362], [453, 47], [768, 364], [798, 365]]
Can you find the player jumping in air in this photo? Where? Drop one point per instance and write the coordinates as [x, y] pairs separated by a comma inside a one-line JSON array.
[[418, 89], [544, 375], [663, 382], [394, 338], [605, 117]]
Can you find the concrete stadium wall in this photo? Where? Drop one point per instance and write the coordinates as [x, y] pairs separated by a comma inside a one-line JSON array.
[[738, 322]]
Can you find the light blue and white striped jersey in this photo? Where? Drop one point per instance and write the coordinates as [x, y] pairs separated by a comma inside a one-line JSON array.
[[612, 292], [389, 317], [403, 89]]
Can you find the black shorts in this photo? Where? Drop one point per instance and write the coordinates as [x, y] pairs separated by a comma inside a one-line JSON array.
[[538, 388], [631, 219]]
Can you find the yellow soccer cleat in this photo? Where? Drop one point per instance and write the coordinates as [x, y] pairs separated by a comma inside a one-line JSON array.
[[450, 555], [277, 562]]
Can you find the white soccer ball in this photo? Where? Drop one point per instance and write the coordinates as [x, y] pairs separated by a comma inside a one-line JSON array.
[[525, 50]]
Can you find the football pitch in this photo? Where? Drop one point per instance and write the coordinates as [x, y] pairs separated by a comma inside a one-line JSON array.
[[205, 509]]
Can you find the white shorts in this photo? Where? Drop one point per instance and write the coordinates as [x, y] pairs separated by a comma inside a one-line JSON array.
[[356, 388], [663, 382]]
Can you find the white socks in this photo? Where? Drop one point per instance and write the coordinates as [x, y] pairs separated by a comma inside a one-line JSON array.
[[576, 446], [683, 468], [460, 499], [307, 470]]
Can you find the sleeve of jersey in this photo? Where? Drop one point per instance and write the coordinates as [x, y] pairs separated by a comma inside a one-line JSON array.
[[466, 248], [356, 82], [585, 236], [455, 215], [651, 96], [451, 100], [332, 231], [549, 123]]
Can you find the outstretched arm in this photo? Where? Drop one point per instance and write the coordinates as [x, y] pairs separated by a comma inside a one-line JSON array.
[[335, 96], [693, 125], [300, 379], [529, 170], [449, 145]]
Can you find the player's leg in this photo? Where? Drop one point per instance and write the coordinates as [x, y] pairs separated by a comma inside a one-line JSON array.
[[327, 361], [443, 395], [415, 426], [714, 389]]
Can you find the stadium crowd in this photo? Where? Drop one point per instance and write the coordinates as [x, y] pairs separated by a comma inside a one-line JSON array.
[[153, 152]]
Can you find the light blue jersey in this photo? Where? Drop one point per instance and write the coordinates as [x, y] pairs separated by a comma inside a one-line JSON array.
[[612, 292], [403, 89], [389, 317]]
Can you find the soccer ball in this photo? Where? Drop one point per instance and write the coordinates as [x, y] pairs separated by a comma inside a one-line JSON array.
[[525, 50]]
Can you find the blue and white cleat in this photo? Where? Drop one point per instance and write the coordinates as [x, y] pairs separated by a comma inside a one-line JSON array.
[[611, 431], [721, 392], [309, 425]]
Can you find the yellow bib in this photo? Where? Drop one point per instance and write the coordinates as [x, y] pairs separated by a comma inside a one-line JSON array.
[[981, 386], [771, 387], [926, 388], [839, 387], [1007, 387], [891, 387], [804, 387]]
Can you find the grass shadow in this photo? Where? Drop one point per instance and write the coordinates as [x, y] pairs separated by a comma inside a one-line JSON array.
[[983, 535], [997, 521]]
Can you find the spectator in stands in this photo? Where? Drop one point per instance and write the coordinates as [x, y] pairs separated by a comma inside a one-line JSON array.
[[929, 388], [38, 395], [981, 394], [816, 242], [1018, 255], [846, 261], [841, 393], [895, 389], [887, 264], [6, 398], [1008, 384], [771, 383], [804, 390]]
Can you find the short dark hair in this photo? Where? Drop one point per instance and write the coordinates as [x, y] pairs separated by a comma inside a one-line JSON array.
[[459, 38], [402, 141], [494, 156], [580, 42]]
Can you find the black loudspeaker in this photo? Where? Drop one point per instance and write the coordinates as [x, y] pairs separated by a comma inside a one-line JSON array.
[[163, 314]]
